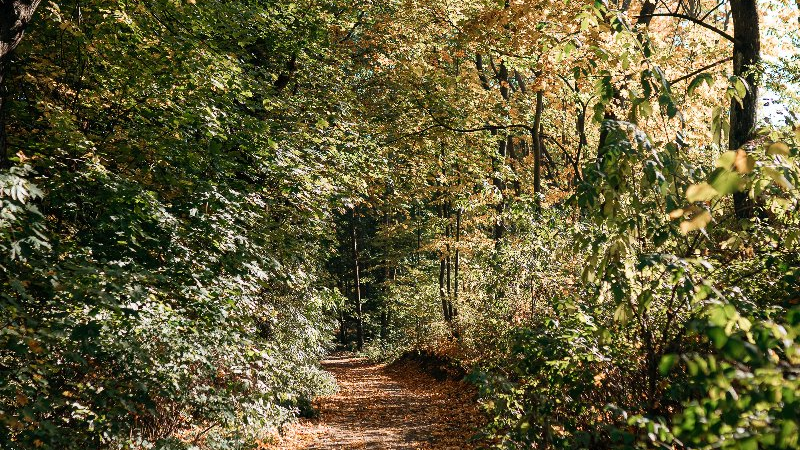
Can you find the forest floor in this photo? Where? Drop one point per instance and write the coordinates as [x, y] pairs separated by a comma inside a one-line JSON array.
[[379, 406]]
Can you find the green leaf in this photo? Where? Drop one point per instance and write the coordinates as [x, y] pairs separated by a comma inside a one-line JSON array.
[[666, 364], [718, 337], [725, 181], [623, 313], [741, 87], [748, 444], [645, 108], [726, 160], [717, 125], [699, 80]]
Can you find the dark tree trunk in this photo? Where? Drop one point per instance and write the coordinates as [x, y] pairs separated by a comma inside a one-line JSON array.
[[497, 165], [387, 280], [746, 57], [442, 290], [457, 262], [444, 258], [536, 137], [449, 264], [580, 123], [14, 18]]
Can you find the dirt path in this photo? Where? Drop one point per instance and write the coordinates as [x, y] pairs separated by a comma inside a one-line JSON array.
[[387, 407]]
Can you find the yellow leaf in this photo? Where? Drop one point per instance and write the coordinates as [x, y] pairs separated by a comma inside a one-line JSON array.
[[695, 223], [701, 192], [778, 148], [744, 163], [676, 214]]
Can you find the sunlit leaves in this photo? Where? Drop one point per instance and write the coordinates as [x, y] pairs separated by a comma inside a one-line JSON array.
[[778, 148], [720, 126], [698, 81], [701, 192], [698, 221]]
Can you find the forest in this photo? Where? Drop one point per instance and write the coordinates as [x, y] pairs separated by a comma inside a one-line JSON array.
[[591, 207]]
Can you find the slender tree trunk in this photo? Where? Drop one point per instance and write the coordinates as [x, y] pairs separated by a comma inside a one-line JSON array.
[[342, 315], [449, 260], [357, 286], [342, 328], [746, 57], [386, 322], [582, 141], [536, 137], [457, 262], [442, 290], [497, 165], [386, 291], [503, 144], [444, 257]]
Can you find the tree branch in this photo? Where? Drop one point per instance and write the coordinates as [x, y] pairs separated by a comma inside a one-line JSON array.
[[702, 69], [694, 21]]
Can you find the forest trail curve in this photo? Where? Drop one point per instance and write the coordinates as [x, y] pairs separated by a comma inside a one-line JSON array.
[[381, 406]]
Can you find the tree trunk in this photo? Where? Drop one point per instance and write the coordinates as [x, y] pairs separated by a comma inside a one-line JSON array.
[[342, 316], [387, 272], [384, 324], [357, 286], [536, 137], [442, 290], [580, 123], [746, 57], [457, 261], [14, 17]]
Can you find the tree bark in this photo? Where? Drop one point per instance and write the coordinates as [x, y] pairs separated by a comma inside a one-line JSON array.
[[357, 286], [457, 261], [536, 136], [14, 18], [342, 317], [442, 291], [580, 124], [448, 261], [746, 57]]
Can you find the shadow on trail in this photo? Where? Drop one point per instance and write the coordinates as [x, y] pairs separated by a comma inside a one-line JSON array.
[[394, 407]]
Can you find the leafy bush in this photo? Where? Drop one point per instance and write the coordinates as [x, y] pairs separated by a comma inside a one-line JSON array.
[[667, 300]]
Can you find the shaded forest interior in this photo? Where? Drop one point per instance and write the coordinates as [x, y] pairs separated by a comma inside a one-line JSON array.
[[590, 210]]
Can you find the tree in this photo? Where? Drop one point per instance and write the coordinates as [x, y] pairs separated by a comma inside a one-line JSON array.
[[746, 59], [14, 18]]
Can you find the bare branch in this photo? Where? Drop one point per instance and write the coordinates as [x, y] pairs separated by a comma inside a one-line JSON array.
[[694, 21], [702, 69]]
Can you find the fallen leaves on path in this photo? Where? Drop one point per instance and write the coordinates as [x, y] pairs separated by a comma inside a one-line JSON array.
[[387, 407]]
